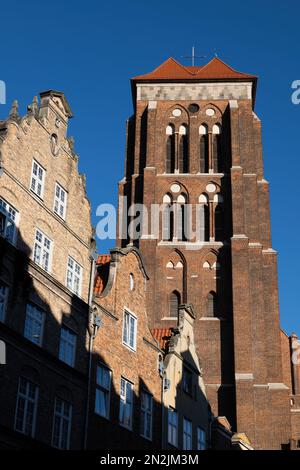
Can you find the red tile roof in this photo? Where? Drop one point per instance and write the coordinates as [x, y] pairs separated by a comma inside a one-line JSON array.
[[162, 335], [173, 70], [102, 273]]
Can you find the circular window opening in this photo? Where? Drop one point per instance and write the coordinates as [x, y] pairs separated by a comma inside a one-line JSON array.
[[210, 112], [176, 112], [193, 108]]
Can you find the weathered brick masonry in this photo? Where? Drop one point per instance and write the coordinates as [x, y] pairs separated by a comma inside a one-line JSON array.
[[230, 276]]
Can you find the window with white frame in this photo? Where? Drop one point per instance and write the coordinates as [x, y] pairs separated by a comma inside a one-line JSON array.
[[102, 400], [60, 201], [129, 330], [42, 250], [67, 347], [3, 300], [172, 427], [126, 403], [74, 276], [26, 407], [37, 179], [34, 324], [187, 434], [61, 424], [8, 221], [201, 439], [146, 414]]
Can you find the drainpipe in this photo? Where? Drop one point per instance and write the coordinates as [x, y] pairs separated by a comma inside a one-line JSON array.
[[92, 331], [162, 373]]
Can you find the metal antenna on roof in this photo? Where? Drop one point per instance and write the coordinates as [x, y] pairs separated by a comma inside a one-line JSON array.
[[215, 52], [193, 56]]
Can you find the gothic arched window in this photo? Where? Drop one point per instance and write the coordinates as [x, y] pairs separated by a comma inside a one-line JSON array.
[[212, 305], [174, 303], [170, 149], [216, 148], [204, 218], [168, 218], [219, 223], [203, 148], [182, 218], [183, 157]]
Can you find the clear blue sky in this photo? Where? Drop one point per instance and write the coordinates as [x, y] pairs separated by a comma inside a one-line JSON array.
[[90, 49]]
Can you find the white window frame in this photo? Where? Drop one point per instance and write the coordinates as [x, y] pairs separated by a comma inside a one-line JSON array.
[[104, 390], [27, 399], [4, 290], [11, 219], [37, 184], [126, 329], [201, 438], [58, 204], [72, 275], [172, 427], [31, 311], [68, 343], [43, 250], [187, 434], [63, 418], [126, 403], [146, 416]]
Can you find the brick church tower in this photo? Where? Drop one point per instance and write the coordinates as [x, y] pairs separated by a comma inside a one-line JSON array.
[[194, 149]]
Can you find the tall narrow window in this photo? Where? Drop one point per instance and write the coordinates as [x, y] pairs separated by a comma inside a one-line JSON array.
[[172, 427], [174, 303], [61, 424], [170, 150], [182, 218], [203, 150], [187, 434], [3, 300], [183, 156], [103, 385], [34, 324], [146, 414], [187, 381], [126, 403], [201, 439], [67, 346], [167, 218], [8, 221], [60, 201], [216, 148], [203, 218], [129, 330], [74, 276], [42, 250], [219, 222], [212, 305], [26, 407], [37, 179]]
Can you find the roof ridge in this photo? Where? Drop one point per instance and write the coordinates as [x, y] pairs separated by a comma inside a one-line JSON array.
[[214, 59]]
